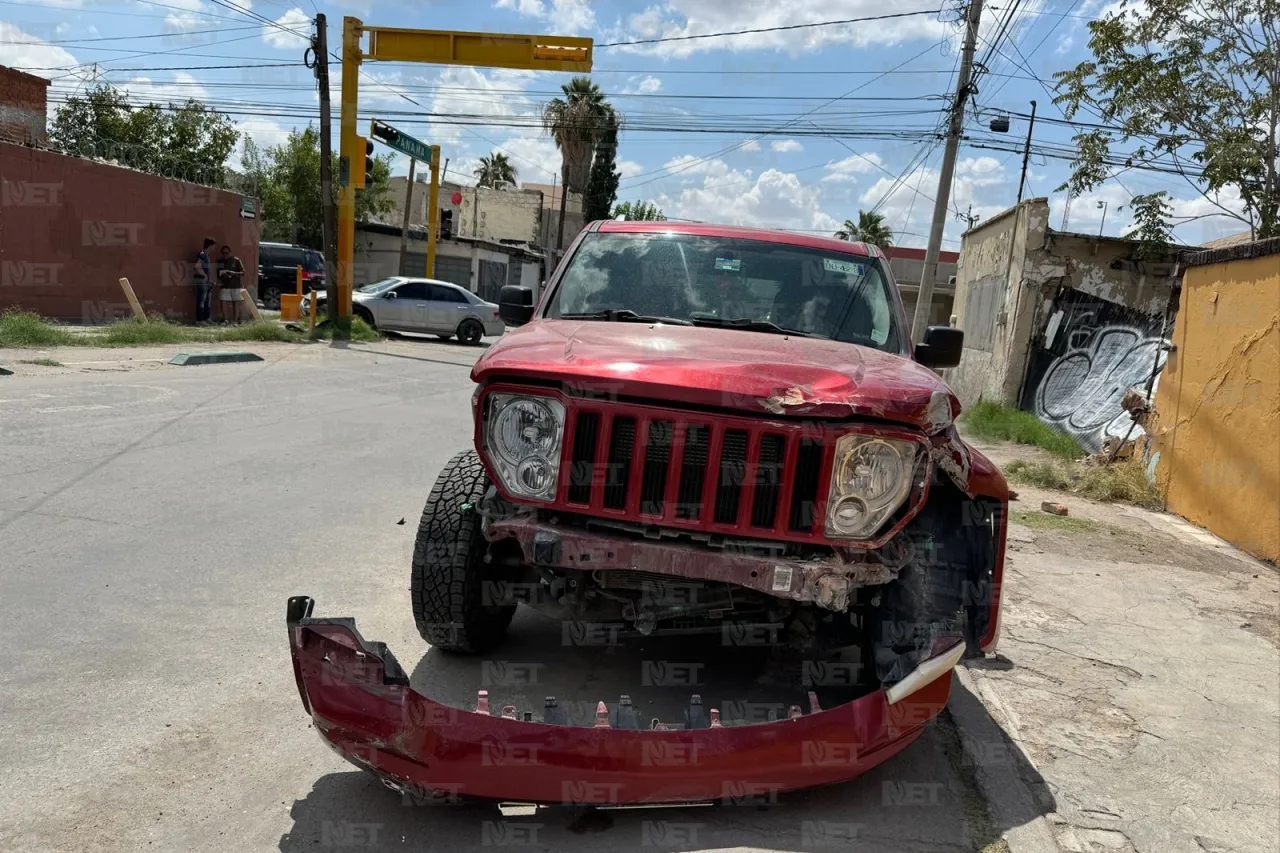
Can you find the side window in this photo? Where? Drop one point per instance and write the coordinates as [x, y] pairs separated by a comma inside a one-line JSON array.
[[416, 290], [440, 293], [266, 258]]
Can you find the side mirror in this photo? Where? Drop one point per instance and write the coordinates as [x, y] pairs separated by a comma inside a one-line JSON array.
[[515, 304], [942, 347], [390, 294]]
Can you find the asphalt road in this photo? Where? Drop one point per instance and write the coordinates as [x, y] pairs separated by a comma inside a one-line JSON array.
[[153, 523]]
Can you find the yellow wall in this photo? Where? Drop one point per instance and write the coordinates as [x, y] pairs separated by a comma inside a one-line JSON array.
[[1218, 433]]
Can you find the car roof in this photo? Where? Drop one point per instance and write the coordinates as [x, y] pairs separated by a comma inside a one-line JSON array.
[[702, 229]]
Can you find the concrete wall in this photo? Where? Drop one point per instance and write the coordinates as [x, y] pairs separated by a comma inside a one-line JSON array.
[[507, 214], [908, 266], [71, 228], [1218, 404], [23, 107], [377, 256], [986, 305]]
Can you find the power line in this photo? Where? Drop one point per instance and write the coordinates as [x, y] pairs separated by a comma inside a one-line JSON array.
[[772, 29], [132, 38]]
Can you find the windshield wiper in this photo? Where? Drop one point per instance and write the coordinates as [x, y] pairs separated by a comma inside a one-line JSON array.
[[749, 325], [625, 315]]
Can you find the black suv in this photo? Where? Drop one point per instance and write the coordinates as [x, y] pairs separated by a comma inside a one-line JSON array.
[[278, 271]]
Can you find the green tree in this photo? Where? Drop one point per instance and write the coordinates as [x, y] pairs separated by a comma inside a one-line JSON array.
[[577, 122], [188, 142], [870, 228], [639, 211], [494, 169], [1193, 83], [602, 185], [288, 180]]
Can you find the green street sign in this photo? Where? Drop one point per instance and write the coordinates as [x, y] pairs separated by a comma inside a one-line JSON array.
[[400, 141]]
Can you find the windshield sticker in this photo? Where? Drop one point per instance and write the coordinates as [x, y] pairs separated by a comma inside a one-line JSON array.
[[846, 267], [729, 264]]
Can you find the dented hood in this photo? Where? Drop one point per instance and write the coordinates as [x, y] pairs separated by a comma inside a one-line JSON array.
[[724, 368]]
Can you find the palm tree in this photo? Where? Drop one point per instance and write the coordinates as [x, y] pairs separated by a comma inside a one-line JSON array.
[[577, 122], [871, 228], [494, 169]]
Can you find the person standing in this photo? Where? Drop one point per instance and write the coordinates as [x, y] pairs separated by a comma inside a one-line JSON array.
[[230, 272], [203, 276]]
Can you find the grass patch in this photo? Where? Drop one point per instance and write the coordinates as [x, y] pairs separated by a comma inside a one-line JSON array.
[[1124, 481], [1046, 475], [138, 332], [43, 362], [994, 422], [256, 331], [1048, 521], [25, 329], [345, 329]]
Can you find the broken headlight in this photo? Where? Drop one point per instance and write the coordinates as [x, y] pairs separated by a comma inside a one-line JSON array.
[[871, 479], [523, 436]]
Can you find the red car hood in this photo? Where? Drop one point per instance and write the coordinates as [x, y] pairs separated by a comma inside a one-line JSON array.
[[725, 368]]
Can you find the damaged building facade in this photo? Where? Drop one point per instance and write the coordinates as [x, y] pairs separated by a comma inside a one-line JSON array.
[[1060, 324]]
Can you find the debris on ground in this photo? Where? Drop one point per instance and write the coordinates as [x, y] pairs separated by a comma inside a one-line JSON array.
[[1053, 508]]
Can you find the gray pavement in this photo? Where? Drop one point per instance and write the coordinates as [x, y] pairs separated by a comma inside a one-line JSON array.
[[153, 521]]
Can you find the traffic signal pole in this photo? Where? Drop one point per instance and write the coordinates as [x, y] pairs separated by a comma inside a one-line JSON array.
[[352, 162], [432, 47], [433, 211]]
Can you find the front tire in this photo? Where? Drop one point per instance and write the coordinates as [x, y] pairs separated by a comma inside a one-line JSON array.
[[271, 298], [449, 571], [366, 315]]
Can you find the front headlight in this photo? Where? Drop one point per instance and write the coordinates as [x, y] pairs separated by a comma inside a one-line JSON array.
[[871, 479], [523, 436]]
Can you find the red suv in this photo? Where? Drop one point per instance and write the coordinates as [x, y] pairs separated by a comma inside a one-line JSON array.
[[697, 430]]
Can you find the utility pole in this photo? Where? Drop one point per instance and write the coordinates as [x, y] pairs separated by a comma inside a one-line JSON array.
[[408, 207], [433, 211], [924, 302], [329, 218], [1026, 152]]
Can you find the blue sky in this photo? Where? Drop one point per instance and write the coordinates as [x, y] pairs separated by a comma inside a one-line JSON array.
[[807, 127]]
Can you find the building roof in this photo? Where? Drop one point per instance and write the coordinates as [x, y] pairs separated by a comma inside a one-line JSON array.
[[1237, 252], [707, 230], [918, 255], [1227, 242], [6, 71]]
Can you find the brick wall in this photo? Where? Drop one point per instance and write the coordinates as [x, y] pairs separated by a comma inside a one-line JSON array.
[[71, 228], [23, 105]]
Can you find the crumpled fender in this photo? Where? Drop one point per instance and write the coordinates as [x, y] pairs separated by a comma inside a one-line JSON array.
[[363, 706]]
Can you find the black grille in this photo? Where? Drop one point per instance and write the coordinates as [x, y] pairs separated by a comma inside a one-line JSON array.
[[653, 481], [733, 469], [693, 473], [622, 445], [768, 481], [582, 462], [804, 493]]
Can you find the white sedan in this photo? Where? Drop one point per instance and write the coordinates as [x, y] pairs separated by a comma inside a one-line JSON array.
[[402, 304]]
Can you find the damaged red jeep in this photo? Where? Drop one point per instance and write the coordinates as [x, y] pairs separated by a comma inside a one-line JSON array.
[[716, 434]]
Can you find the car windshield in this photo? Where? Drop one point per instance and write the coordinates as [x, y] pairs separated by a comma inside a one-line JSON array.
[[379, 286], [726, 281]]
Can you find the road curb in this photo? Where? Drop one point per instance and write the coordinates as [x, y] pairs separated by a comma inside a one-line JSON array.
[[1010, 801]]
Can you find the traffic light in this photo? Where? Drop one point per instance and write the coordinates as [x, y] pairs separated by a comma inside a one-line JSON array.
[[368, 162], [384, 133], [446, 224]]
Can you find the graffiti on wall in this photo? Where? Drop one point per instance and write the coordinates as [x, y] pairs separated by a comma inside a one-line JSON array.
[[1092, 355]]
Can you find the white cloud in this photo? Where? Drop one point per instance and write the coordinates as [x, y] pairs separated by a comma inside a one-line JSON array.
[[295, 20], [847, 169], [264, 132], [774, 199], [641, 85], [629, 168], [907, 205], [1065, 41], [566, 17], [536, 158], [165, 92], [27, 53], [678, 18], [783, 146], [750, 145]]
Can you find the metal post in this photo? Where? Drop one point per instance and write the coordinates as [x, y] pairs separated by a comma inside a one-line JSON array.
[[924, 301], [408, 207], [329, 214], [352, 159], [1026, 152], [433, 211]]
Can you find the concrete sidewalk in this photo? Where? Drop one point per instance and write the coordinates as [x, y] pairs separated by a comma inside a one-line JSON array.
[[1139, 674]]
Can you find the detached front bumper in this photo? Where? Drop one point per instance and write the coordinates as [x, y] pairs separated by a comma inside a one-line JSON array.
[[363, 706]]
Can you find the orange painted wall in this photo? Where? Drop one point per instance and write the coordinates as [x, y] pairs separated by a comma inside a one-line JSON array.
[[1218, 433]]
